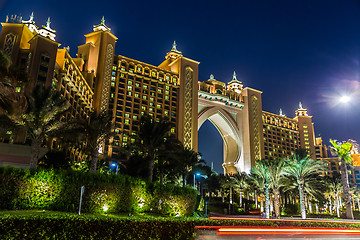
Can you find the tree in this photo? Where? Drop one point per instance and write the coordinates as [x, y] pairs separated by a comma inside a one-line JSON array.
[[42, 119], [12, 102], [260, 185], [151, 136], [261, 169], [343, 150], [333, 192], [240, 183], [184, 161], [93, 131], [276, 175], [300, 167]]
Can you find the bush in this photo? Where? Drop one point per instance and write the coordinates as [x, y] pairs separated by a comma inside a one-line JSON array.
[[292, 209], [60, 190]]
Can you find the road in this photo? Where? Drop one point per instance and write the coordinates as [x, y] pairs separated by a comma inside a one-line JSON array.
[[268, 233]]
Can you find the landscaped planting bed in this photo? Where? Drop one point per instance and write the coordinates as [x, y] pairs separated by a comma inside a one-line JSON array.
[[58, 225]]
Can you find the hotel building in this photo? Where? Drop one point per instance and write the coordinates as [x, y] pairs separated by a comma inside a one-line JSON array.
[[99, 80]]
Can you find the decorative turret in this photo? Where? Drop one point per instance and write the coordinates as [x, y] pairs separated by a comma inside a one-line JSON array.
[[174, 53], [31, 23], [235, 85], [281, 113], [46, 31], [101, 26], [301, 111]]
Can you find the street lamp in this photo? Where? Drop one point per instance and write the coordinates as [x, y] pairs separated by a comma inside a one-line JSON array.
[[117, 167], [196, 174]]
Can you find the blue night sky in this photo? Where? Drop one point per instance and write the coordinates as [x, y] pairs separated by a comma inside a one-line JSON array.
[[292, 51]]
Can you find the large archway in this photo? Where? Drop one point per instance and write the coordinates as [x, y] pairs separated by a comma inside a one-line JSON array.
[[225, 123]]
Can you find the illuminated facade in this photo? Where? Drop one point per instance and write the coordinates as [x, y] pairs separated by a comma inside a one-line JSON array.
[[99, 80], [283, 135], [139, 89]]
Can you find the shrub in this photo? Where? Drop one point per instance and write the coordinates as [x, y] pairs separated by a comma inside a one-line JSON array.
[[292, 209], [60, 190]]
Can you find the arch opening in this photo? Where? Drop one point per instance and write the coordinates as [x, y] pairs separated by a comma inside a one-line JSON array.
[[225, 123], [210, 145]]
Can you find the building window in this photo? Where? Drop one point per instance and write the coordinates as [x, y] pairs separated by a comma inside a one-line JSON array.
[[9, 44]]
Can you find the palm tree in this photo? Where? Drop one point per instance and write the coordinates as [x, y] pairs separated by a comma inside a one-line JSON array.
[[42, 118], [342, 150], [12, 102], [277, 174], [357, 197], [151, 136], [260, 185], [93, 131], [185, 160], [300, 167], [240, 182], [333, 193], [227, 183], [261, 169]]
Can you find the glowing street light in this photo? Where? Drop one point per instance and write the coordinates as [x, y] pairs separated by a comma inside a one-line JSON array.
[[196, 174]]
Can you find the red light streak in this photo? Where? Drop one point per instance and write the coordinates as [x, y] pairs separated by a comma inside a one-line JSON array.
[[280, 231], [284, 220]]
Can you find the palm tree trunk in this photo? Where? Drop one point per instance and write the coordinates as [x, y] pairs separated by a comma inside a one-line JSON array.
[[151, 167], [240, 199], [256, 199], [330, 206], [35, 153], [358, 201], [267, 201], [353, 203], [261, 202], [346, 190], [302, 201], [337, 208], [276, 203], [94, 160]]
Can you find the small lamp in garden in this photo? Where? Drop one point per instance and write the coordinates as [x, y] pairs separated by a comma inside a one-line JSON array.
[[116, 167]]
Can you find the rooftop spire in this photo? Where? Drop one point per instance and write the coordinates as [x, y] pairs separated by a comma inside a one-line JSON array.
[[281, 113], [48, 23], [301, 111], [101, 26], [174, 46], [31, 17], [174, 53], [234, 76]]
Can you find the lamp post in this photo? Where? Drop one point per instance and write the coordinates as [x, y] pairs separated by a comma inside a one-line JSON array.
[[116, 167], [195, 174]]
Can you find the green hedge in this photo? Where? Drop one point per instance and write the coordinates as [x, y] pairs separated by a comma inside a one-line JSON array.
[[60, 191], [52, 225]]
